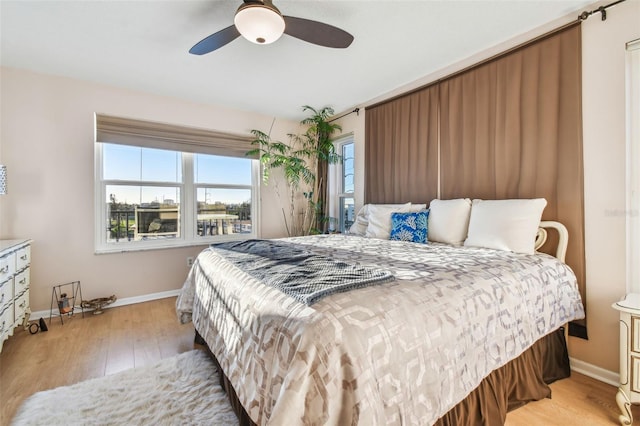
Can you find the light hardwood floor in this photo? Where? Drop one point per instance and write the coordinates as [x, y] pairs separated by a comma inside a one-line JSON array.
[[135, 335]]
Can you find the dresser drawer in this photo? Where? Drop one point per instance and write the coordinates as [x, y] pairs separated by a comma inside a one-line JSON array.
[[21, 282], [7, 266], [635, 334], [6, 321], [21, 305], [4, 327], [6, 294], [635, 373], [23, 258], [6, 324]]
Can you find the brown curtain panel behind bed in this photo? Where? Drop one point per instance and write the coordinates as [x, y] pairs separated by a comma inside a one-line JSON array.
[[401, 160], [510, 127]]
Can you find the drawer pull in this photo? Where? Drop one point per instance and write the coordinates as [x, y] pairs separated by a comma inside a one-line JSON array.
[[23, 304], [2, 298], [2, 328], [4, 270], [23, 281], [23, 257]]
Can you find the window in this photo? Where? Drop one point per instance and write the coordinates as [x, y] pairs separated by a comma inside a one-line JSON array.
[[633, 166], [342, 203], [149, 197]]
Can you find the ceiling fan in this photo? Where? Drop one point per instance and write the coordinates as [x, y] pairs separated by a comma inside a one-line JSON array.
[[260, 22]]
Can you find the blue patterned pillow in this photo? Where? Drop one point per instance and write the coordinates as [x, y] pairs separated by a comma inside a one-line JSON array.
[[409, 226]]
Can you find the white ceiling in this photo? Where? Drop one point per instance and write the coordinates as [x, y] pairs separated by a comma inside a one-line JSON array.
[[143, 45]]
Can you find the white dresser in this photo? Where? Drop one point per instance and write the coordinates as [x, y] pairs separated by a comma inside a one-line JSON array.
[[629, 390], [15, 259]]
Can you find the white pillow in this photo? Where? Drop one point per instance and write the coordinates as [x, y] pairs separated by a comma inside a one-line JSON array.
[[417, 207], [509, 225], [449, 220], [380, 219], [359, 226]]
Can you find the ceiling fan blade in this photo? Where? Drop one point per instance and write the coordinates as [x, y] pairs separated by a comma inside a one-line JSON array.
[[215, 41], [317, 32]]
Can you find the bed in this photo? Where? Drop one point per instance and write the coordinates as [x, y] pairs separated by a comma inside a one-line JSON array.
[[460, 335]]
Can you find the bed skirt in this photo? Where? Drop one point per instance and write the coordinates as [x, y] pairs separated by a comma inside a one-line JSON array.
[[520, 381]]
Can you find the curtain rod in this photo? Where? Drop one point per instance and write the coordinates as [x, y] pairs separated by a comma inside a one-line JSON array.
[[356, 110], [602, 9], [582, 17]]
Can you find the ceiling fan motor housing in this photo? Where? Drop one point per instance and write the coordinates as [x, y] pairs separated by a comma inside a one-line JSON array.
[[260, 23]]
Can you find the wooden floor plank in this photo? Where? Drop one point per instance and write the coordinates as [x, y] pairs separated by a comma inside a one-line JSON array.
[[133, 335]]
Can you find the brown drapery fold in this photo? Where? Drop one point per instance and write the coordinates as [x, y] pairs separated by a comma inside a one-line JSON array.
[[402, 149], [509, 128]]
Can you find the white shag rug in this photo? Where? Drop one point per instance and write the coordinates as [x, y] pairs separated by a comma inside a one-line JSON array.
[[182, 390]]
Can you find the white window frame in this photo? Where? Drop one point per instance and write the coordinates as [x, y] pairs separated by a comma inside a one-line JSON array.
[[633, 165], [336, 189], [188, 209]]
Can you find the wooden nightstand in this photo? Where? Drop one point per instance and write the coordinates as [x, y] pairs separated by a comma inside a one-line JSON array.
[[629, 390]]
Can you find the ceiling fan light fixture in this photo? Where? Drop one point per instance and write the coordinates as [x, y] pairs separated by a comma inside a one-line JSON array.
[[259, 24]]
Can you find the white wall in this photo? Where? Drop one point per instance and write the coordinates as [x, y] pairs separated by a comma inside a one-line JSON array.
[[47, 144], [604, 163]]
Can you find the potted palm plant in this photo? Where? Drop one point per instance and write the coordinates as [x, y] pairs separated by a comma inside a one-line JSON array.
[[304, 163]]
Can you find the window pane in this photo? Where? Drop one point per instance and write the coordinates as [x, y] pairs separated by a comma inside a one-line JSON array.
[[222, 170], [121, 162], [223, 211], [347, 167], [161, 166], [142, 213], [347, 213], [124, 162]]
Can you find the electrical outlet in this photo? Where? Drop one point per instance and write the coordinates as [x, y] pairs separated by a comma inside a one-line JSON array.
[[189, 261]]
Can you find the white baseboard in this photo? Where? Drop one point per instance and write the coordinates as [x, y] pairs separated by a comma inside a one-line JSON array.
[[119, 302], [609, 377]]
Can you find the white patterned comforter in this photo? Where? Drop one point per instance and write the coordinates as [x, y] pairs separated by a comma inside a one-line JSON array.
[[405, 351]]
